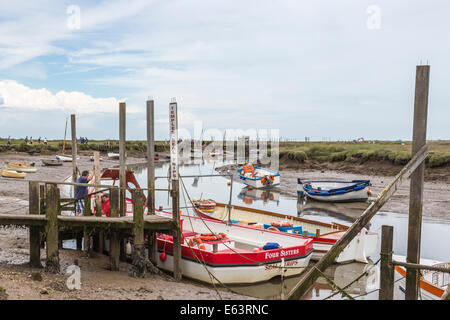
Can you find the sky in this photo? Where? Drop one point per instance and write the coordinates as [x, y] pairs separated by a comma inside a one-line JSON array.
[[328, 70]]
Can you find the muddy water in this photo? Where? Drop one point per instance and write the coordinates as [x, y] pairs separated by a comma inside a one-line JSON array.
[[434, 231]]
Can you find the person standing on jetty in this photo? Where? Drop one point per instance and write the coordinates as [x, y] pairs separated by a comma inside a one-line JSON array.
[[26, 140], [82, 191], [9, 140]]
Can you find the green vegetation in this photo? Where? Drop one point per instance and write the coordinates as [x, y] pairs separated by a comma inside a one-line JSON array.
[[397, 153]]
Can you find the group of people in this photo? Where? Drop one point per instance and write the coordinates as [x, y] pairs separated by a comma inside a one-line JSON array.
[[31, 140], [82, 192], [84, 140]]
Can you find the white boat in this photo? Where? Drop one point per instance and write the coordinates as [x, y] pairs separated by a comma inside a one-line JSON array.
[[324, 235], [65, 158], [335, 191], [20, 167], [243, 255], [432, 283], [113, 155], [257, 177]]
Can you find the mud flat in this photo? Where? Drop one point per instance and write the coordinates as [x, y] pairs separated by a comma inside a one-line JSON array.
[[18, 281], [436, 192]]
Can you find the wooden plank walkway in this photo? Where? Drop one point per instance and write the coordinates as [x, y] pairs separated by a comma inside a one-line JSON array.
[[151, 222]]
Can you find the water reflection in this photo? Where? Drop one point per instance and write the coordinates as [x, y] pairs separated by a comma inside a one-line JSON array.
[[249, 195]]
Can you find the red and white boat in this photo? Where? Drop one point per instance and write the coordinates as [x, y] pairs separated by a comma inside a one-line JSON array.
[[324, 235], [243, 255], [214, 252]]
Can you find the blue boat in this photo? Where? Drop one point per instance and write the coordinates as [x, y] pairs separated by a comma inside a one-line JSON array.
[[335, 191]]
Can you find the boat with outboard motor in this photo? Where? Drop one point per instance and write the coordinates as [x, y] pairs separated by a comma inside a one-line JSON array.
[[257, 177]]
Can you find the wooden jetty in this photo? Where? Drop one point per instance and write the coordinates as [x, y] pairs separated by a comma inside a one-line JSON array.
[[46, 205]]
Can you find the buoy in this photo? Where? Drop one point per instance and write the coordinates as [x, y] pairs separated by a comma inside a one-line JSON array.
[[163, 256], [228, 183]]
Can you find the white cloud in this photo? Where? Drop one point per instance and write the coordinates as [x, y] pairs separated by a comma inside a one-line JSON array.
[[18, 96]]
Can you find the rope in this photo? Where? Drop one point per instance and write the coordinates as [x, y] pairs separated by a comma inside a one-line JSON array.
[[365, 273], [334, 285]]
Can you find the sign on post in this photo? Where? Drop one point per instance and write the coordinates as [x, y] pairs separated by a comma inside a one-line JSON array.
[[173, 124]]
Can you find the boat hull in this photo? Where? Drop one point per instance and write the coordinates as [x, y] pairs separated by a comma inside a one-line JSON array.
[[335, 191], [12, 174], [65, 159], [52, 162], [231, 263], [12, 167], [256, 182]]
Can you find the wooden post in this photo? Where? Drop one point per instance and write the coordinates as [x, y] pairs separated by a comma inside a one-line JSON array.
[[386, 266], [74, 151], [86, 233], [173, 126], [51, 213], [114, 243], [310, 277], [98, 236], [151, 236], [122, 156], [139, 257], [416, 183], [42, 209], [35, 234]]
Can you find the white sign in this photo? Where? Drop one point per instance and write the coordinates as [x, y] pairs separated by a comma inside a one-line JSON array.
[[173, 129]]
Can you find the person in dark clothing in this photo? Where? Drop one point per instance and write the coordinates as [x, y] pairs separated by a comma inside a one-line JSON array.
[[82, 191]]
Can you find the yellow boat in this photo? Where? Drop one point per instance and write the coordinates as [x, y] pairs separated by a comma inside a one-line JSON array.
[[12, 174], [20, 167]]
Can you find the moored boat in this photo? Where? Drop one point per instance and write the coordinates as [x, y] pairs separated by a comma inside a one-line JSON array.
[[324, 235], [432, 283], [335, 191], [12, 174], [65, 158], [20, 167], [52, 162], [257, 177], [240, 255], [113, 155]]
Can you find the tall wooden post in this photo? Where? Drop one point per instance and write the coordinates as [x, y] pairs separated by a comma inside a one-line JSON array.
[[74, 150], [51, 213], [416, 182], [140, 261], [114, 243], [386, 266], [98, 237], [35, 234], [173, 127], [152, 247], [122, 156]]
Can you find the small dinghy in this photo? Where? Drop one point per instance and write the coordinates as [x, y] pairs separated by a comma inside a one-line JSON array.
[[113, 155], [20, 167], [52, 162], [335, 191], [65, 158], [324, 235], [257, 177], [12, 174]]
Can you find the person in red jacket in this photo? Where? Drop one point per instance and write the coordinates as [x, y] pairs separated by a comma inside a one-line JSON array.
[[105, 205]]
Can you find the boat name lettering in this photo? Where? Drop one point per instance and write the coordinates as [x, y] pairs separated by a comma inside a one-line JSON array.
[[281, 253]]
